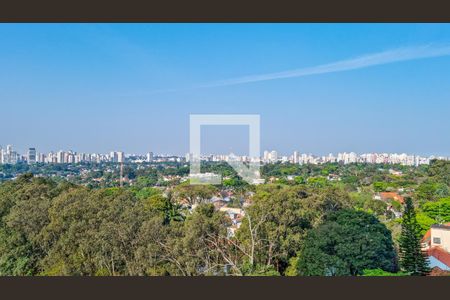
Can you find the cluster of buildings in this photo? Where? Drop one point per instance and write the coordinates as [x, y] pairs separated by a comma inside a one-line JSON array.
[[9, 156], [351, 157], [345, 158]]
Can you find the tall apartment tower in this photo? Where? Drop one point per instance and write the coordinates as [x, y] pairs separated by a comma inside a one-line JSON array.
[[266, 156], [113, 157], [296, 157], [31, 155], [150, 157], [60, 157], [120, 157], [273, 156], [7, 156]]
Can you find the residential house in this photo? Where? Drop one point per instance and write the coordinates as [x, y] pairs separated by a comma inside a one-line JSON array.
[[386, 196], [436, 243], [236, 215]]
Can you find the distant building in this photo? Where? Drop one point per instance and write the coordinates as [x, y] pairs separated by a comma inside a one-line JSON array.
[[257, 181], [41, 158], [69, 158], [150, 157], [6, 156], [120, 157], [60, 157], [31, 155], [273, 156], [266, 156], [385, 196], [235, 214], [113, 156]]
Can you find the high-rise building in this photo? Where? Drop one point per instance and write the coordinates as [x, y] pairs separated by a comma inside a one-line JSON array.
[[113, 156], [120, 157], [60, 157], [295, 157], [31, 155], [273, 156], [150, 157], [70, 158], [10, 156], [266, 156], [41, 158], [116, 156]]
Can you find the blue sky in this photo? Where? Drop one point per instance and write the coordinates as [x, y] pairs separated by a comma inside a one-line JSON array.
[[319, 88]]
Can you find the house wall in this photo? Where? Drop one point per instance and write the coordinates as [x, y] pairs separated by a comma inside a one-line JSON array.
[[444, 235]]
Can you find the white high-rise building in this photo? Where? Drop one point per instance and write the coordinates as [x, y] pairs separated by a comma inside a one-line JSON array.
[[273, 157], [295, 157], [352, 157], [6, 155], [113, 157], [70, 158], [41, 158], [60, 157], [120, 157], [10, 156], [31, 155], [266, 156], [150, 157]]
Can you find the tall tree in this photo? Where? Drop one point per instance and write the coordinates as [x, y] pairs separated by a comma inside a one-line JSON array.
[[412, 259], [346, 243], [194, 194], [276, 223]]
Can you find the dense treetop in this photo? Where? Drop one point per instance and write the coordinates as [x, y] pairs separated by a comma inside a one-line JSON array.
[[306, 220]]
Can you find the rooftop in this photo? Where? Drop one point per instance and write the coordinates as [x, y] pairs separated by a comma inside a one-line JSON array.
[[441, 226], [440, 254]]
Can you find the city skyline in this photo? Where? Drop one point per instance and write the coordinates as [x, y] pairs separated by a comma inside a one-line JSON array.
[[317, 87], [10, 155], [224, 151]]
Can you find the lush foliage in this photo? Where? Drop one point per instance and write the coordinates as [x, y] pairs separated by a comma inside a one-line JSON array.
[[412, 259], [347, 243], [306, 220]]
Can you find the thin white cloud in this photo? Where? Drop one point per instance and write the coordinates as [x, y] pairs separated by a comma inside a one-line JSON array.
[[368, 60]]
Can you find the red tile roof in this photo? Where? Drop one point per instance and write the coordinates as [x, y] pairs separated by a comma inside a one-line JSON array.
[[436, 271], [427, 237], [392, 195], [440, 254]]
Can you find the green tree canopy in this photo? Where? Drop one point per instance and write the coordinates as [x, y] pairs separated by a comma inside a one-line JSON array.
[[347, 243], [412, 259]]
